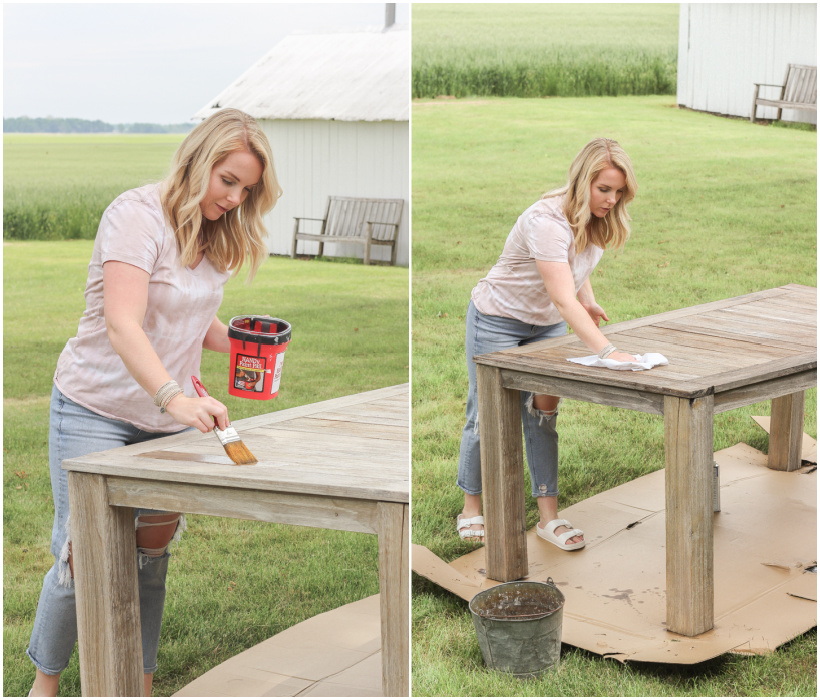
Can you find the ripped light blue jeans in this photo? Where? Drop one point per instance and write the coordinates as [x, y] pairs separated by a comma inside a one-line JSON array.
[[489, 334], [75, 431]]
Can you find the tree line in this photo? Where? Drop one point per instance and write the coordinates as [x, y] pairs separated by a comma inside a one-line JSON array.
[[60, 125]]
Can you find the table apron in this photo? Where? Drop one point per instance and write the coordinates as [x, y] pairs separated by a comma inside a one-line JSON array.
[[653, 403], [348, 514], [761, 391], [583, 391]]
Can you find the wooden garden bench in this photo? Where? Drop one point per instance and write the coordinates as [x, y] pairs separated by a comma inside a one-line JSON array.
[[365, 222], [798, 91]]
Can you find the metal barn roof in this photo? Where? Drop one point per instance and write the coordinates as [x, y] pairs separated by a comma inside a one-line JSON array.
[[347, 76]]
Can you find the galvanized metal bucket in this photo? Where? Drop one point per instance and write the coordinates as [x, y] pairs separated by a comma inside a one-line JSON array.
[[519, 627]]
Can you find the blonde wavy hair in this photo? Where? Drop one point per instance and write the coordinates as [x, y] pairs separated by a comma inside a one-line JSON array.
[[238, 234], [613, 229]]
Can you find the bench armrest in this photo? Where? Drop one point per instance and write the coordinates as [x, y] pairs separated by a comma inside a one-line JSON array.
[[371, 224], [767, 84], [306, 218]]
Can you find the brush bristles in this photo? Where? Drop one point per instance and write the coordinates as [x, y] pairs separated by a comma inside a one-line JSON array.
[[238, 453]]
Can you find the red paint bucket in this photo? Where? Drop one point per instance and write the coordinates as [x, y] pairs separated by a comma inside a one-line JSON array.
[[258, 345]]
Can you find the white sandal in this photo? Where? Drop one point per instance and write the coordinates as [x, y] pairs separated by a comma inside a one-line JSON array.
[[548, 533], [465, 522]]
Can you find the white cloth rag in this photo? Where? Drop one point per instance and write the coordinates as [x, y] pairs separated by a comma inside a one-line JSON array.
[[646, 361]]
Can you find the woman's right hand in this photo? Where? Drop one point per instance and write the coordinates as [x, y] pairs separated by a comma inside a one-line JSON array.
[[621, 357], [198, 412]]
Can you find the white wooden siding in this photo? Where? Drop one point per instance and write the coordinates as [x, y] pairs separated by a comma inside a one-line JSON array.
[[724, 48], [316, 158]]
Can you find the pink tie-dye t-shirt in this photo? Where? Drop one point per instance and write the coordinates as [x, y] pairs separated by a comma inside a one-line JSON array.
[[514, 288], [182, 304]]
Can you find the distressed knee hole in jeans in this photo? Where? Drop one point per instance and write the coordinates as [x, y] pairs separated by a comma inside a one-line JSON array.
[[148, 553], [63, 569], [145, 553], [538, 413]]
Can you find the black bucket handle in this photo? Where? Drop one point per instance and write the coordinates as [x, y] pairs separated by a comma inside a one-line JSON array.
[[263, 337]]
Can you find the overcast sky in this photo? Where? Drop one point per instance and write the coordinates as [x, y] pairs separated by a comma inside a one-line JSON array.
[[149, 62]]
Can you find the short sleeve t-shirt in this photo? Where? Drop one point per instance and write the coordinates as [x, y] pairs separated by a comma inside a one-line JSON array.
[[182, 304], [513, 288]]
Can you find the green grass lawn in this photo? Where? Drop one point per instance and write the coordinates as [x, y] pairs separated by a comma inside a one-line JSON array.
[[724, 208], [56, 186], [231, 583], [544, 49]]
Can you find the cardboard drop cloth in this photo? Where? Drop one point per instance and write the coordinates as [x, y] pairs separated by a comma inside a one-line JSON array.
[[765, 538], [335, 654]]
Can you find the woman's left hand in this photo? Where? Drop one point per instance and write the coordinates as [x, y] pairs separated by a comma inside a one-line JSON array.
[[596, 313]]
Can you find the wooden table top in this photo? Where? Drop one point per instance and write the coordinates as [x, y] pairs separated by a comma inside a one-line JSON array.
[[354, 446], [711, 347]]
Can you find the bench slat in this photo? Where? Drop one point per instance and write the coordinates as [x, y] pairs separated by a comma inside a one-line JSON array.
[[336, 239], [785, 104], [377, 212]]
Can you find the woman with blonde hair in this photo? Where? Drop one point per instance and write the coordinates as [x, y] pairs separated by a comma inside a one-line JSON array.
[[538, 286], [162, 255]]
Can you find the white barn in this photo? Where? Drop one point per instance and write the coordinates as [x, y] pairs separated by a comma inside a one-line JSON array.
[[724, 48], [336, 109]]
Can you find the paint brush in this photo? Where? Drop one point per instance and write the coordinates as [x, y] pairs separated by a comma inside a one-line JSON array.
[[234, 447]]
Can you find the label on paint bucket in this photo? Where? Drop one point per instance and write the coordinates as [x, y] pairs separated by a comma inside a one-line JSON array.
[[277, 373], [249, 373]]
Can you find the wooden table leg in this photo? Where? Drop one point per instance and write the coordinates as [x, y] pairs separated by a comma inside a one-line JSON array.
[[394, 585], [786, 432], [105, 573], [502, 462], [689, 544]]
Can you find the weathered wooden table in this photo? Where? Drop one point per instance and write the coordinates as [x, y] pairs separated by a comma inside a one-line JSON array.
[[722, 355], [341, 464]]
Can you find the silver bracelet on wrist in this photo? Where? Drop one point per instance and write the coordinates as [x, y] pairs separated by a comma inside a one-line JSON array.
[[163, 390], [167, 392], [606, 351]]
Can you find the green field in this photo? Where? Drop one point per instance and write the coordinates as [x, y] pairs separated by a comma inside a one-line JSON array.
[[723, 208], [544, 49], [56, 187]]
